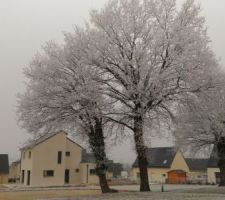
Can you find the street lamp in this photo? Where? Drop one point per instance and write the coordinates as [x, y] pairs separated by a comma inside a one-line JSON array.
[[163, 179]]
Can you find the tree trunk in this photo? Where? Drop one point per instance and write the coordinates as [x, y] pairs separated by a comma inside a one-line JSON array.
[[221, 161], [96, 139], [141, 153]]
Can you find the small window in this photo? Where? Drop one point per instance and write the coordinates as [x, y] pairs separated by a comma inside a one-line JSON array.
[[77, 170], [67, 153], [164, 162], [92, 172], [29, 154], [48, 173], [59, 157], [24, 155]]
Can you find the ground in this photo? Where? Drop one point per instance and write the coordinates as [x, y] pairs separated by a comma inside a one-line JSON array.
[[172, 192], [155, 196], [46, 194]]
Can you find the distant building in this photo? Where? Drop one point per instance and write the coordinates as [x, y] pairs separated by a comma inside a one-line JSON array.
[[4, 168], [113, 169], [197, 170], [161, 161], [56, 160], [14, 172]]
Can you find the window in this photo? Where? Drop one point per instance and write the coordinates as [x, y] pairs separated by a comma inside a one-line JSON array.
[[29, 156], [164, 162], [77, 170], [92, 171], [48, 173], [59, 157], [24, 155], [67, 153]]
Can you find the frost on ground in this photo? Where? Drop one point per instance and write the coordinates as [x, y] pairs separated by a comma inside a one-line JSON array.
[[153, 196]]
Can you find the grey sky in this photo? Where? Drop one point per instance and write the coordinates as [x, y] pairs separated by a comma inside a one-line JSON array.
[[25, 25]]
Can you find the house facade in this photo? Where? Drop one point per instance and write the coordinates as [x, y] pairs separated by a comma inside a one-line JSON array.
[[197, 170], [56, 160], [4, 168], [213, 172], [161, 161]]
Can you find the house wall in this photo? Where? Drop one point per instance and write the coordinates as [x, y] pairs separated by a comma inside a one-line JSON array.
[[26, 164], [158, 175], [197, 176], [86, 177], [73, 162], [179, 162], [3, 179], [45, 157], [155, 175], [211, 174]]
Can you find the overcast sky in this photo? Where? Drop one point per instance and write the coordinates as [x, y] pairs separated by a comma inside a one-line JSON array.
[[25, 25]]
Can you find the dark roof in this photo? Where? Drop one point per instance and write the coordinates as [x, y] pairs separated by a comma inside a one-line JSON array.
[[115, 168], [87, 157], [197, 164], [213, 160], [90, 158], [160, 157], [4, 164]]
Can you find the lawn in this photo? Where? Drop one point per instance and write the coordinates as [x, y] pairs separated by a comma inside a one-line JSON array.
[[174, 192], [45, 194], [172, 195]]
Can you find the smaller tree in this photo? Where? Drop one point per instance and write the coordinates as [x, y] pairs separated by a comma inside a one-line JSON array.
[[62, 94], [201, 124]]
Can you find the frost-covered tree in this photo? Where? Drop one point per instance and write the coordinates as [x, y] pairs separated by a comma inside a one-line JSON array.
[[150, 55], [61, 94], [201, 125]]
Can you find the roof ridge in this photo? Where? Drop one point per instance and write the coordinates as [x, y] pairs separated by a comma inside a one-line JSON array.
[[41, 139]]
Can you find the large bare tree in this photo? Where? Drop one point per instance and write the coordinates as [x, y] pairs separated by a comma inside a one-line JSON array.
[[150, 55], [62, 94], [201, 125]]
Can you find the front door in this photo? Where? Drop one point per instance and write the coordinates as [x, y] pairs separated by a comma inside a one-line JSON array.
[[67, 176], [28, 177]]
